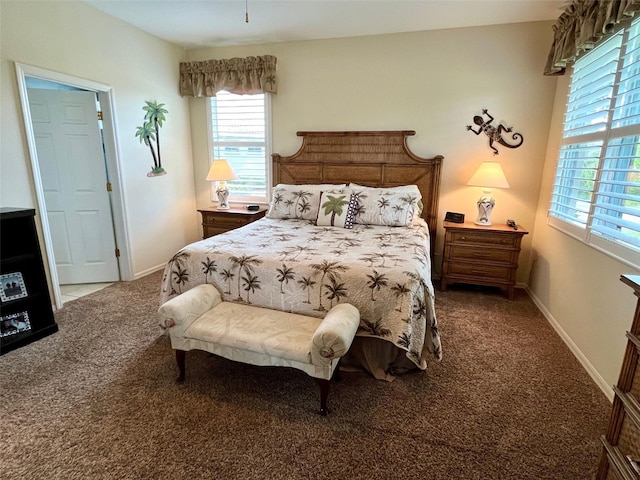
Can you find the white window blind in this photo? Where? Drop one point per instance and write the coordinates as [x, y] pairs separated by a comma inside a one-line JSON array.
[[240, 132], [596, 194]]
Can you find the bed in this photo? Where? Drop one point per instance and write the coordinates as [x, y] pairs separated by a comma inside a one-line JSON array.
[[352, 219]]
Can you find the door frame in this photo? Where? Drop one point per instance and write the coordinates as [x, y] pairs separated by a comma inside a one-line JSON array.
[[111, 148]]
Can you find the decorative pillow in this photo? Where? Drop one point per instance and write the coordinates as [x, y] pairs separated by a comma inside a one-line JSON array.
[[337, 210], [299, 201], [391, 209], [364, 191], [412, 189]]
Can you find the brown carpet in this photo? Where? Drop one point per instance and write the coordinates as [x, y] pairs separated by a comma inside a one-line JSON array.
[[98, 400]]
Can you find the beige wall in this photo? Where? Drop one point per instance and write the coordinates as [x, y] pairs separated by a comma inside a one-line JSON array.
[[576, 286], [77, 40], [432, 82]]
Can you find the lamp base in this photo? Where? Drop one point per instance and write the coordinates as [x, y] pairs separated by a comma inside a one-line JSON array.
[[484, 224], [223, 195], [485, 203]]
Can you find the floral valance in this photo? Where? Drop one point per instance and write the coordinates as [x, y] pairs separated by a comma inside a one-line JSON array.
[[250, 75], [582, 25]]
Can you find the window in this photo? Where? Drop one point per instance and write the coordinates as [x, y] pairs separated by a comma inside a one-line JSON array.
[[596, 195], [239, 130]]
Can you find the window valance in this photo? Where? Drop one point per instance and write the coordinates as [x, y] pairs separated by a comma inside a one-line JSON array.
[[582, 25], [250, 75]]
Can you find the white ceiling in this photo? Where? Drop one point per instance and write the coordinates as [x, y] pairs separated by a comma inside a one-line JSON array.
[[199, 23]]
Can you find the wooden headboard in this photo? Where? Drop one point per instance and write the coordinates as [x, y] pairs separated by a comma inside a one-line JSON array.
[[374, 159]]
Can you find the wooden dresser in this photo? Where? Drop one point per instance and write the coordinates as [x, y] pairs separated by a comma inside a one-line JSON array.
[[481, 255], [216, 221], [621, 453]]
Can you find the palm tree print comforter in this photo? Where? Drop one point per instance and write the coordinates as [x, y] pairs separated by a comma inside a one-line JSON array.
[[296, 266]]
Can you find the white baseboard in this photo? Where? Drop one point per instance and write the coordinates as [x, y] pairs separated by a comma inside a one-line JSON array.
[[593, 373], [146, 272]]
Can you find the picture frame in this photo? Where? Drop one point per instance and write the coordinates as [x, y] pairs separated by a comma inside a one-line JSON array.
[[12, 286], [14, 323]]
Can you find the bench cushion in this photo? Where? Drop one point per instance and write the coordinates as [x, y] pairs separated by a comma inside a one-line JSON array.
[[259, 330]]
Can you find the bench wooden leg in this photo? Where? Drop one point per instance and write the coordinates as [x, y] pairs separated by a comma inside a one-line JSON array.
[[180, 354], [324, 393], [336, 373]]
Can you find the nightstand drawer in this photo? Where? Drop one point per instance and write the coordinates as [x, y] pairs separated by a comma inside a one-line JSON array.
[[216, 221], [230, 221], [485, 238], [479, 270], [460, 252], [210, 231]]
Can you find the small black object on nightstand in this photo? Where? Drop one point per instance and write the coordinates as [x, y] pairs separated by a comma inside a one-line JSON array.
[[512, 224], [454, 217]]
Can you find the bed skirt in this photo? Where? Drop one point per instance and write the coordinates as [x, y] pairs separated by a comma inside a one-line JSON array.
[[380, 358]]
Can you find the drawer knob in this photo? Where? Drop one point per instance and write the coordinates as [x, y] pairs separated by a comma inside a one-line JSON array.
[[463, 238]]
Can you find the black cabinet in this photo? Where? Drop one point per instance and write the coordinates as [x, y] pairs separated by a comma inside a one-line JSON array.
[[25, 307]]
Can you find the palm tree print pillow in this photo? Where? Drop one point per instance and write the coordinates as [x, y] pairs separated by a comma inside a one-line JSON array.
[[391, 209], [362, 189], [299, 201], [337, 210]]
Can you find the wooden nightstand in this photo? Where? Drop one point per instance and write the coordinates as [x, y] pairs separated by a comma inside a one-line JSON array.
[[216, 221], [481, 255]]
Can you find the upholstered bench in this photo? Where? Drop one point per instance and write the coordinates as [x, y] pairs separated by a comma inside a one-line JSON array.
[[198, 319]]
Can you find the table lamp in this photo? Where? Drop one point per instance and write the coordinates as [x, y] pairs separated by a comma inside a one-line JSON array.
[[489, 175], [220, 172]]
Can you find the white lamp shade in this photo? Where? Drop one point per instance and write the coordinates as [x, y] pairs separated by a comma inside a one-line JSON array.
[[220, 170], [489, 175]]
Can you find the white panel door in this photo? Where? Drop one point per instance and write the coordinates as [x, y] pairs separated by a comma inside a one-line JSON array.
[[74, 180]]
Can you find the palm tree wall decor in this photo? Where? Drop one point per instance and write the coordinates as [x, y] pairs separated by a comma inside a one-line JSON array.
[[149, 133]]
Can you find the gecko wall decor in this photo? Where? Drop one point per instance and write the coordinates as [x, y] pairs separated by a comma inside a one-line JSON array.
[[494, 133]]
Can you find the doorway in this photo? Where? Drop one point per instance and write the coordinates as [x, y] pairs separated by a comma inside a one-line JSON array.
[[75, 181], [110, 215]]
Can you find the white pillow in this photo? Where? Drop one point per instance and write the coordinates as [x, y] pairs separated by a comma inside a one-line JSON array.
[[299, 201], [385, 208], [411, 189]]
